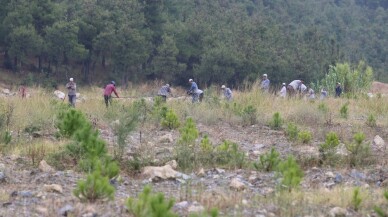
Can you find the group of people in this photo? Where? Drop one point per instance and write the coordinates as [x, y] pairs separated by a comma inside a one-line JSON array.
[[293, 88]]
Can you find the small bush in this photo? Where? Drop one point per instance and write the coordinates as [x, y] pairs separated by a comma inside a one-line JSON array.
[[206, 153], [290, 172], [356, 199], [292, 131], [276, 122], [327, 150], [304, 136], [171, 120], [344, 113], [36, 153], [269, 161], [359, 151], [249, 115], [228, 153], [185, 150], [6, 137], [125, 126], [380, 212], [95, 187], [105, 165], [70, 122], [371, 121], [150, 205]]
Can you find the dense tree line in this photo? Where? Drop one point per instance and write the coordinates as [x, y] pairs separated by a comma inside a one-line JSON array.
[[217, 41]]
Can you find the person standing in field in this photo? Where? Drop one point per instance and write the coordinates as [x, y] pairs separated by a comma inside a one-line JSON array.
[[283, 91], [164, 92], [71, 87], [109, 89], [265, 83], [323, 93], [294, 87], [23, 91], [338, 90], [196, 94], [227, 93]]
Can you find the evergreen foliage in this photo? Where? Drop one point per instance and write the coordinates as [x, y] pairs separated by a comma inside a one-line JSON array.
[[380, 212], [344, 111], [304, 136], [185, 150], [359, 150], [292, 131], [371, 121], [356, 199], [249, 114], [328, 149], [268, 161], [95, 187], [290, 172], [70, 121], [277, 122], [170, 121]]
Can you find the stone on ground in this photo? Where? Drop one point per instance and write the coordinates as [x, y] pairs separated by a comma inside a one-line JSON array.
[[337, 212], [44, 167], [53, 188], [236, 184], [378, 144]]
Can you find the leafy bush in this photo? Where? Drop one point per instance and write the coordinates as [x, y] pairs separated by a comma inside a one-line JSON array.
[[6, 137], [150, 205], [304, 136], [359, 151], [380, 212], [292, 131], [269, 161], [371, 121], [185, 150], [122, 129], [228, 153], [290, 172], [89, 142], [249, 114], [327, 150], [105, 165], [70, 122], [206, 151], [276, 122], [170, 121], [94, 187], [356, 199], [344, 113]]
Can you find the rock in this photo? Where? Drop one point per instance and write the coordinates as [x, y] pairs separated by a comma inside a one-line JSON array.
[[6, 91], [357, 175], [244, 202], [37, 134], [59, 94], [252, 178], [44, 167], [53, 188], [330, 174], [236, 184], [22, 193], [2, 177], [196, 208], [201, 173], [64, 211], [173, 164], [155, 173], [2, 167], [115, 123], [337, 212], [220, 171], [182, 175], [378, 144], [167, 138], [384, 184], [338, 178], [90, 214], [341, 150], [181, 205], [42, 210]]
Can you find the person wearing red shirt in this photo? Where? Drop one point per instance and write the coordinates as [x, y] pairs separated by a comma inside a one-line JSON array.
[[108, 93]]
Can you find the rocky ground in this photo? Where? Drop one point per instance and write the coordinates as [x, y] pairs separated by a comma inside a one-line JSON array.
[[44, 191]]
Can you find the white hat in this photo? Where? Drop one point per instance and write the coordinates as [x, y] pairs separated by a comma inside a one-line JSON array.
[[71, 79], [284, 84], [223, 87], [190, 80], [167, 85], [264, 75]]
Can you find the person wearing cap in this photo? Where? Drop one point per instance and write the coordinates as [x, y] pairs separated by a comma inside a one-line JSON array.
[[71, 87], [265, 83], [338, 90], [111, 87], [196, 94], [294, 87], [323, 93], [164, 91], [227, 93], [283, 91], [311, 93]]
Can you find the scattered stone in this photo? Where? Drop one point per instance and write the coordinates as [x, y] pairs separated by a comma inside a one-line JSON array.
[[330, 184], [338, 178], [22, 193], [196, 208], [6, 91], [59, 94], [173, 164], [64, 211], [90, 214], [378, 144], [337, 212], [201, 173], [358, 175], [384, 184], [330, 174], [42, 210], [244, 202], [53, 188], [2, 177], [220, 171], [167, 138], [236, 184], [182, 175], [44, 167], [2, 167], [156, 173], [181, 205]]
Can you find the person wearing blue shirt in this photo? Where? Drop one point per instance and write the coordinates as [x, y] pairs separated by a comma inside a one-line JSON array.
[[196, 94], [227, 92], [265, 83]]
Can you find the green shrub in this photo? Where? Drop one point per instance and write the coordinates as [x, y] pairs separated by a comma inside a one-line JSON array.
[[344, 113], [327, 150], [95, 187], [290, 172], [6, 137], [304, 136], [185, 150], [371, 121], [249, 114], [70, 122], [269, 161], [356, 199], [292, 131], [359, 151], [90, 143], [206, 151], [276, 122], [106, 166], [171, 120], [150, 205], [380, 212], [122, 129], [206, 145], [228, 153]]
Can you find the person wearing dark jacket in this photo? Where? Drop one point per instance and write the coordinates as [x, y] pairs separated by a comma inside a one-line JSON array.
[[338, 90], [71, 87]]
